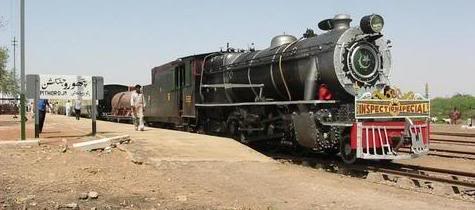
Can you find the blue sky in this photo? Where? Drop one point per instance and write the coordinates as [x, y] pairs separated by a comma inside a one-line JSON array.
[[433, 41]]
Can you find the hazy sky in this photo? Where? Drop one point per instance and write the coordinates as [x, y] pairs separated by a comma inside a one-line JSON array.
[[433, 41]]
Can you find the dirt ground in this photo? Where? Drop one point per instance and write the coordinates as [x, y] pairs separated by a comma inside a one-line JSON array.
[[10, 128], [182, 171], [459, 128], [37, 177]]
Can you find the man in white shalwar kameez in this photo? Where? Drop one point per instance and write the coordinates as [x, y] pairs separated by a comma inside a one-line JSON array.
[[137, 102]]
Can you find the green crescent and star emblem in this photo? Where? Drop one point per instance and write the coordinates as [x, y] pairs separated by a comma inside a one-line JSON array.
[[364, 61]]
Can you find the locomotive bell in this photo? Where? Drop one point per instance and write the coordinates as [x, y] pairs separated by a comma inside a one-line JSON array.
[[281, 40], [341, 21]]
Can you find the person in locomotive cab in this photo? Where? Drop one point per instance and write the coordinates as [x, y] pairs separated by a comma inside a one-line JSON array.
[[324, 93], [137, 102]]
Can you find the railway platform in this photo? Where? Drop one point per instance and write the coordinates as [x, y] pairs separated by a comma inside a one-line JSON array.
[[158, 144]]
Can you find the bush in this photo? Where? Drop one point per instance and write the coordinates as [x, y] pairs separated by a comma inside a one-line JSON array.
[[441, 107]]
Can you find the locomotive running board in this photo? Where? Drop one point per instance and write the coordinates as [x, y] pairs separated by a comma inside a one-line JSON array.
[[267, 103]]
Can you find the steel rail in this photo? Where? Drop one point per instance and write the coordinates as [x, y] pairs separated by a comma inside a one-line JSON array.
[[453, 141], [469, 144], [453, 151], [432, 169], [425, 176], [410, 171], [449, 156], [452, 134]]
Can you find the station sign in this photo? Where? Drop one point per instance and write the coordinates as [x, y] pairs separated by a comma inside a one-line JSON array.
[[394, 108], [65, 87]]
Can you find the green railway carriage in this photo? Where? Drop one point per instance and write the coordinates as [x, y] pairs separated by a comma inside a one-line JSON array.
[[172, 95]]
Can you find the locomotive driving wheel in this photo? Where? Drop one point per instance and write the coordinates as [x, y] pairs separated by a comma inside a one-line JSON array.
[[232, 127], [348, 155]]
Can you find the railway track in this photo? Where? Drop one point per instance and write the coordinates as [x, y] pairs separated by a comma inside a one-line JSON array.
[[460, 134], [451, 154], [439, 181], [452, 142], [451, 177], [453, 145], [440, 151]]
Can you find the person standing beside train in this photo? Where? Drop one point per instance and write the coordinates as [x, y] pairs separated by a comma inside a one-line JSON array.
[[454, 116], [77, 108], [42, 105], [137, 102], [68, 108]]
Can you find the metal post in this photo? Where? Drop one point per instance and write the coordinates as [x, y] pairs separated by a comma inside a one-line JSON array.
[[15, 83], [22, 75], [37, 113], [427, 90], [94, 104], [14, 43]]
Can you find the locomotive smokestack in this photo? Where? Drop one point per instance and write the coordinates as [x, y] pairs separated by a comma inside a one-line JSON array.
[[341, 21]]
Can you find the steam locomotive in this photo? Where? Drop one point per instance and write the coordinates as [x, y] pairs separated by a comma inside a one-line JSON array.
[[328, 92]]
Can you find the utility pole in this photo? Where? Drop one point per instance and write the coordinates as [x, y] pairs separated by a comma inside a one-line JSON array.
[[22, 75], [15, 96], [14, 43]]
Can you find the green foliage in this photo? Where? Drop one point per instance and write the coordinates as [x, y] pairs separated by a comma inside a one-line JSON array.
[[441, 107], [7, 81], [3, 60]]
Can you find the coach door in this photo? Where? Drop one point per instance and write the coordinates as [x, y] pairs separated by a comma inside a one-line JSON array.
[[179, 85], [188, 88]]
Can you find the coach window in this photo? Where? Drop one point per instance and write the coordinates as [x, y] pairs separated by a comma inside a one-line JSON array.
[[169, 81], [182, 76], [177, 78]]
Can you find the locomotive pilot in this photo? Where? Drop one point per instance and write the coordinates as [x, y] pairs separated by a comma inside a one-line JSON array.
[[137, 103]]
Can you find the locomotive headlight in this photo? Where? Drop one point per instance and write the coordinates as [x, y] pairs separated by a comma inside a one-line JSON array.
[[372, 24]]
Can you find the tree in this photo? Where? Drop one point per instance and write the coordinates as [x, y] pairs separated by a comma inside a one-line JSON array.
[[465, 103], [3, 65], [8, 84]]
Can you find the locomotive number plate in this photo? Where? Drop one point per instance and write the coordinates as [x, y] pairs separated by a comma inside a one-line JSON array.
[[391, 108], [188, 99]]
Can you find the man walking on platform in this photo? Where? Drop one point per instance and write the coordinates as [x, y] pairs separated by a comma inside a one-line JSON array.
[[68, 108], [41, 106], [138, 104], [77, 108]]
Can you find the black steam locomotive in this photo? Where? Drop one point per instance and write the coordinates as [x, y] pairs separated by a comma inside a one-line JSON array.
[[327, 92]]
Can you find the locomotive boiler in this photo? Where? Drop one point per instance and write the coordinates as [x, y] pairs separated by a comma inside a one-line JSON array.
[[327, 92], [291, 69]]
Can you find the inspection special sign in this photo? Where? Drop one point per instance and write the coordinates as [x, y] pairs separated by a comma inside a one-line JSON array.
[[392, 108], [65, 87]]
